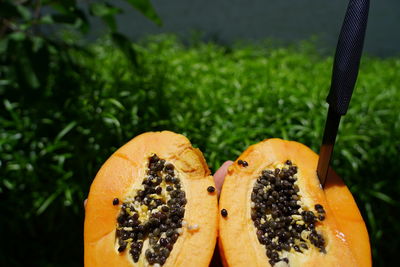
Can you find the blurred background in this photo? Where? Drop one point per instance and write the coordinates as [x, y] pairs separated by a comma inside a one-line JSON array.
[[78, 79]]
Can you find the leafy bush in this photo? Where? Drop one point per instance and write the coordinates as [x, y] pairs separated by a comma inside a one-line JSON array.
[[41, 73], [222, 98]]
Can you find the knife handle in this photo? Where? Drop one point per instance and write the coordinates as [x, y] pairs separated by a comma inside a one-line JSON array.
[[347, 56]]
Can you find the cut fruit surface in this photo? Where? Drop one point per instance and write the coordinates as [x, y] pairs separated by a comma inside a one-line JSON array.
[[273, 212], [151, 204]]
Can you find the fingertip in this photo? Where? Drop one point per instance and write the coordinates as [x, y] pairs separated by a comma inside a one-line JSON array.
[[220, 174], [228, 163]]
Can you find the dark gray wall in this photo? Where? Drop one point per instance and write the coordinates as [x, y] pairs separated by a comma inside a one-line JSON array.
[[287, 20]]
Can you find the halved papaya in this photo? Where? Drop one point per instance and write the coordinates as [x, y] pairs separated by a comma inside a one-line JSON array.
[[152, 203], [275, 213]]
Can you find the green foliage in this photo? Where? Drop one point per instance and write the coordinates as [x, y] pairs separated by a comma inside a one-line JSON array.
[[30, 36], [223, 99], [43, 67], [146, 8]]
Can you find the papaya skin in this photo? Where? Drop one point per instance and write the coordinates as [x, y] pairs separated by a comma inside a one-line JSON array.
[[125, 169], [345, 233]]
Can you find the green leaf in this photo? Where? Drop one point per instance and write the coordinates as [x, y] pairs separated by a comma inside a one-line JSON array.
[[82, 23], [65, 6], [68, 197], [8, 105], [46, 19], [116, 103], [351, 159], [111, 119], [17, 36], [72, 16], [66, 130], [38, 43], [3, 44], [8, 184], [39, 59], [106, 12], [24, 12], [384, 197], [25, 67], [5, 82], [103, 9], [125, 45], [147, 9], [46, 203], [111, 23]]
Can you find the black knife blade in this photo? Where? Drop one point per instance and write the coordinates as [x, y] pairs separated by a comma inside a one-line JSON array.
[[344, 75]]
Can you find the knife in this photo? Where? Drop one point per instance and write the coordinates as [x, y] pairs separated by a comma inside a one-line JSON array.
[[344, 76]]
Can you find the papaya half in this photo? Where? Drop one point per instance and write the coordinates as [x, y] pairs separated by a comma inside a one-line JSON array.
[[274, 212], [152, 203]]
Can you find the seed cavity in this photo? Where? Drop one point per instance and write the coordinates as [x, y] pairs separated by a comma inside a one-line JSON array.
[[150, 219], [283, 223]]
